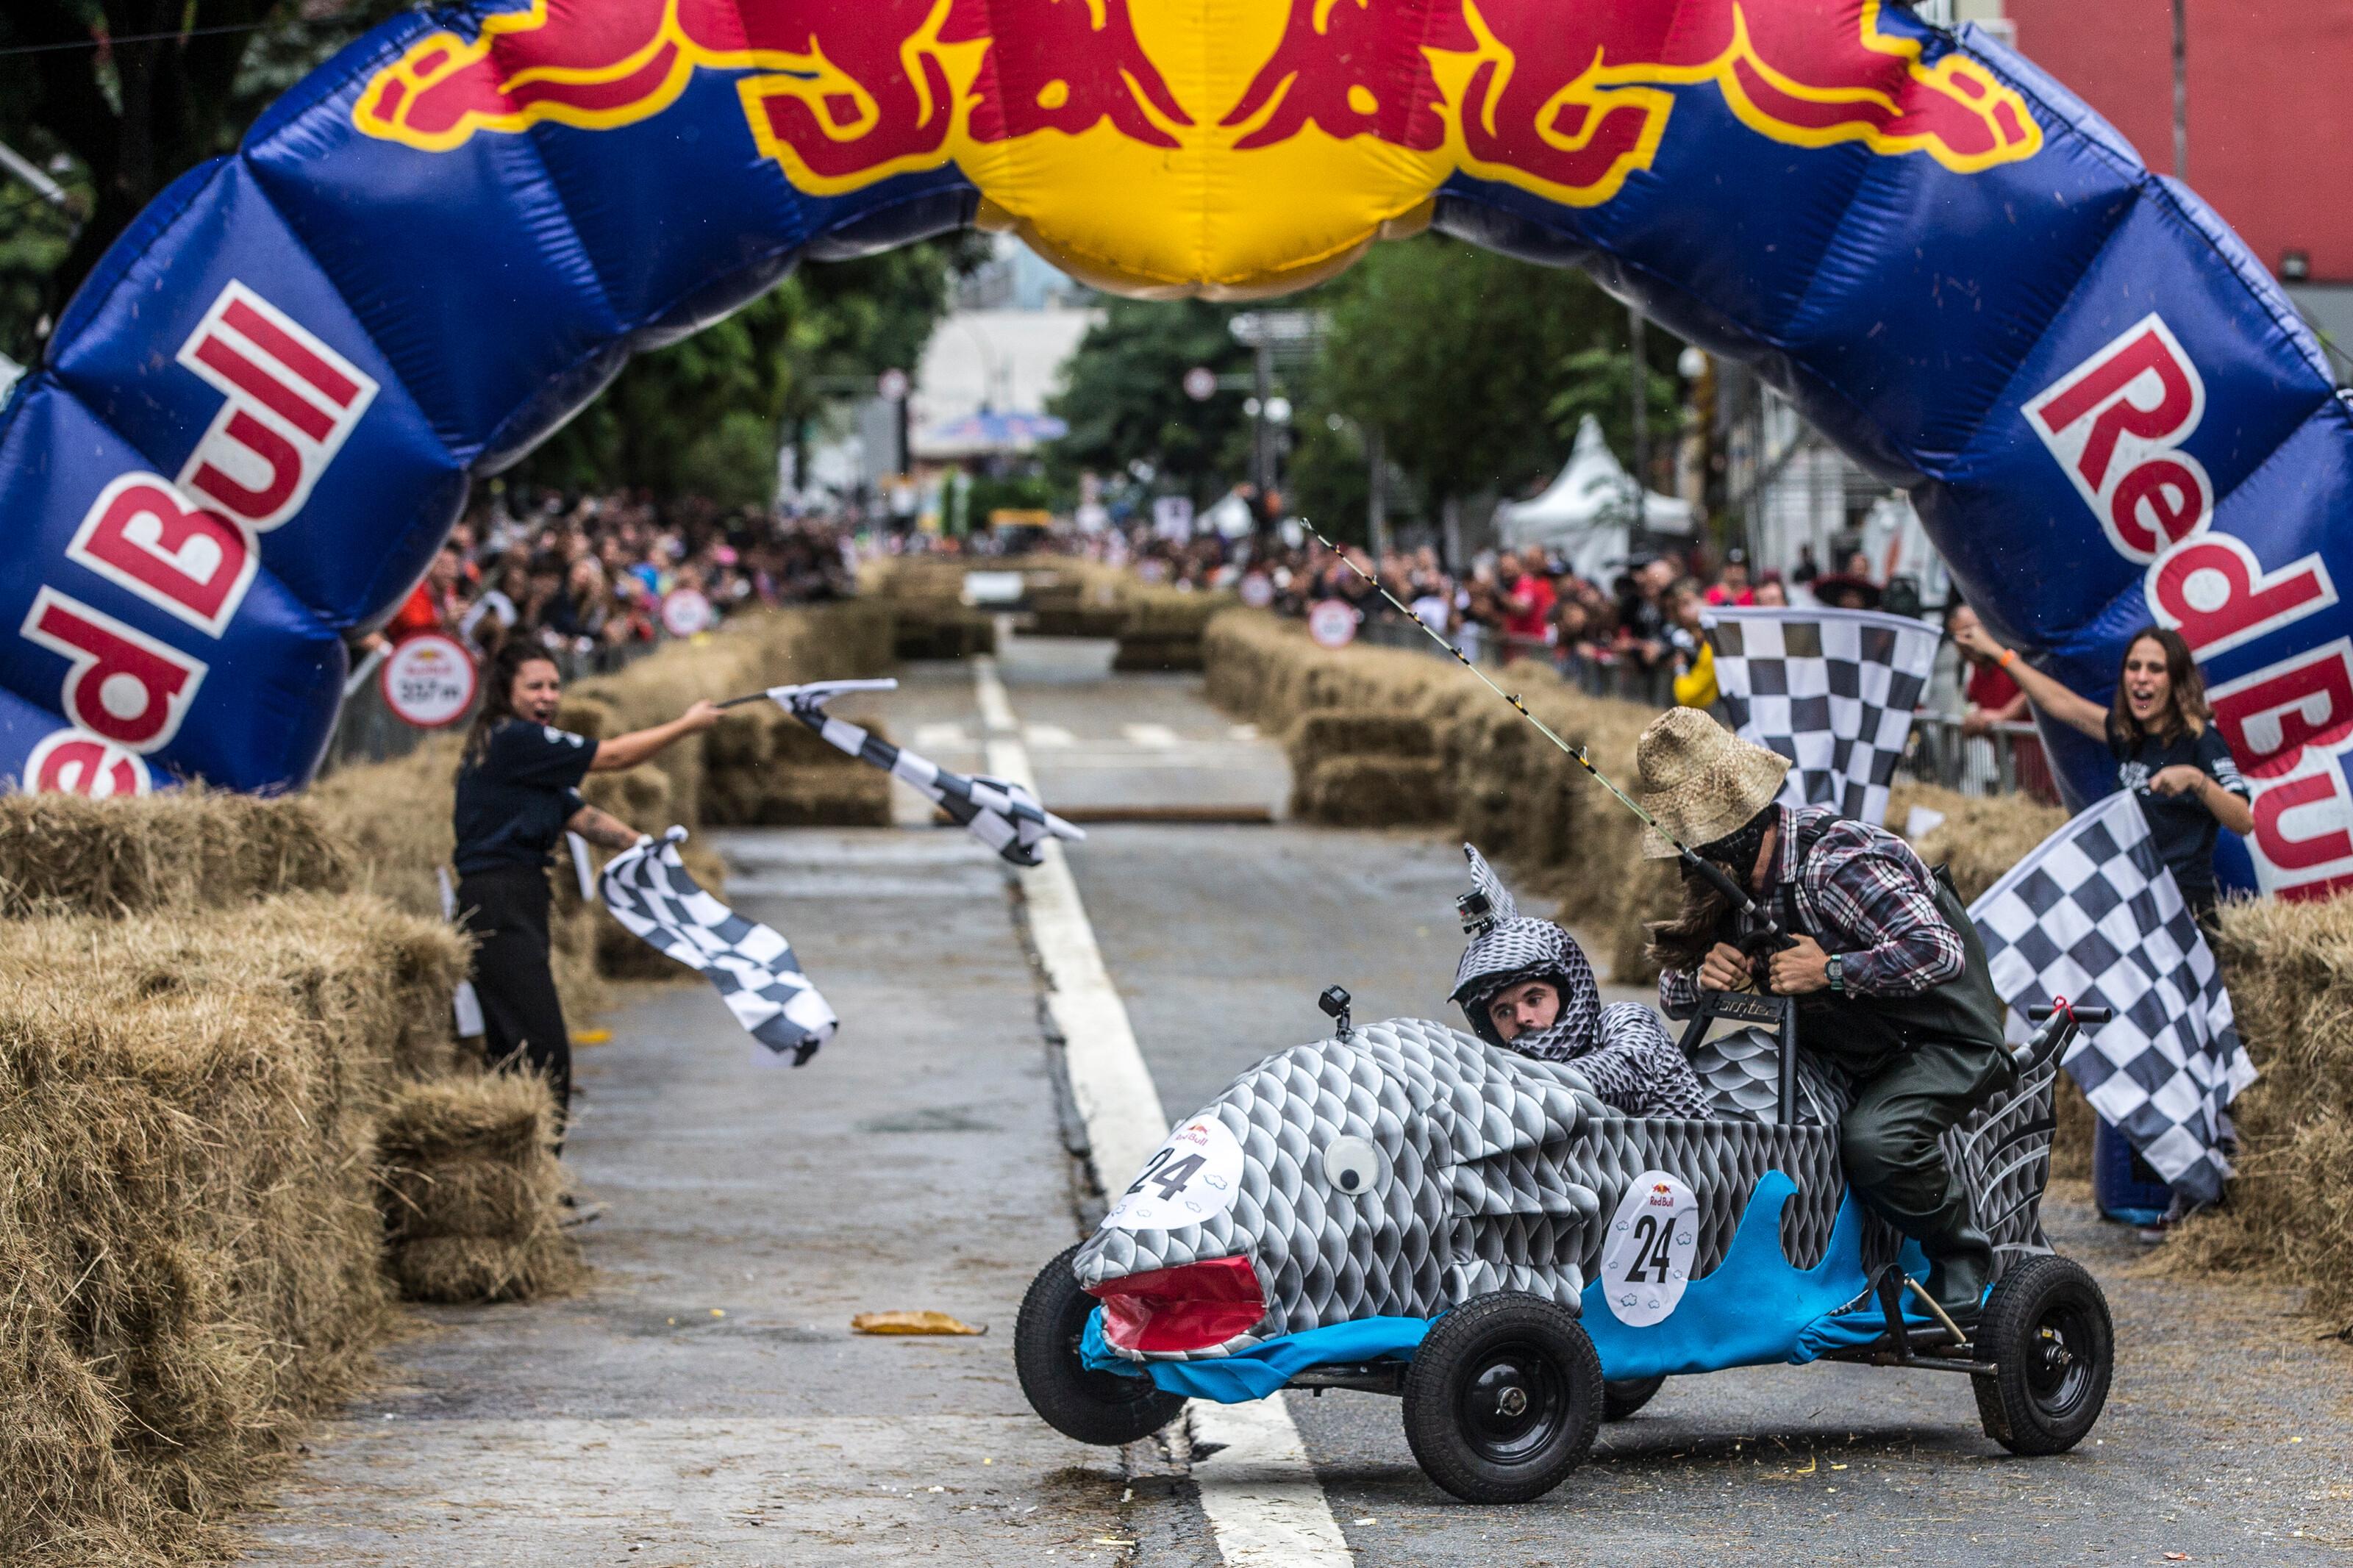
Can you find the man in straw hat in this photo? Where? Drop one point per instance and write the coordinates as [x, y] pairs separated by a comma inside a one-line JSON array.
[[1891, 983]]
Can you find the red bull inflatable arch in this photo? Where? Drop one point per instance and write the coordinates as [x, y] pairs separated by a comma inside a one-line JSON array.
[[263, 411]]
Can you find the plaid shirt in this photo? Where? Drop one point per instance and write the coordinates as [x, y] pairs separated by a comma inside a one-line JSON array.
[[1862, 894]]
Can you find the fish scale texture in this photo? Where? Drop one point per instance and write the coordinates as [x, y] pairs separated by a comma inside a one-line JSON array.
[[1498, 1170]]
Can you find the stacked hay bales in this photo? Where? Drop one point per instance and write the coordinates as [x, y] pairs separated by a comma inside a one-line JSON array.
[[1363, 767], [197, 1046], [2290, 1215], [770, 769], [470, 1183], [1164, 626], [1069, 597]]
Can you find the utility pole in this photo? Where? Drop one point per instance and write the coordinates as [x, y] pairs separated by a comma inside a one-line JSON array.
[[2182, 90], [1376, 494], [1261, 430], [1640, 379]]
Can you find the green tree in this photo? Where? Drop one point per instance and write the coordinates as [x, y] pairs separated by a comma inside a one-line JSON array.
[[1123, 398], [1458, 355], [131, 94], [1599, 381], [708, 416]]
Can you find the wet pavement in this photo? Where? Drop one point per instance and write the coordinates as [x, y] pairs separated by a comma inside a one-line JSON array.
[[705, 1403]]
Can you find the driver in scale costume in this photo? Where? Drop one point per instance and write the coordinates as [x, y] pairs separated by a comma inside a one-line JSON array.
[[1525, 985], [1891, 984]]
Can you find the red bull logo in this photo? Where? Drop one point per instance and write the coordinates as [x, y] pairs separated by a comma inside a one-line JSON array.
[[1164, 145]]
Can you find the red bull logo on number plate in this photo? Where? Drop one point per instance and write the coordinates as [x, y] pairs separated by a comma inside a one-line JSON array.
[[1115, 133]]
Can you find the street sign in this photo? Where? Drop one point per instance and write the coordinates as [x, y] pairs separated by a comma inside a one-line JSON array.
[[685, 612], [1331, 623], [428, 680], [1200, 384], [891, 386]]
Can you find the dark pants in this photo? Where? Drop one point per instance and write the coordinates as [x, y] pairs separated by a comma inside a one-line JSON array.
[[1895, 1166], [506, 910]]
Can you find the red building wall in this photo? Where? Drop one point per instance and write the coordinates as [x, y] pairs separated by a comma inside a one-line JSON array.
[[2270, 106]]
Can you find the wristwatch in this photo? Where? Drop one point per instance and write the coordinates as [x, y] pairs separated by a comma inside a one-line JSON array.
[[1835, 967]]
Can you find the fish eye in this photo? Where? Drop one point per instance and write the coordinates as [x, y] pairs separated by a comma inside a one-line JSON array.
[[1352, 1166]]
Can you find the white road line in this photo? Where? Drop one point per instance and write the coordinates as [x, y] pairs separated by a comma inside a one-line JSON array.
[[1049, 737], [1264, 1505], [1155, 737]]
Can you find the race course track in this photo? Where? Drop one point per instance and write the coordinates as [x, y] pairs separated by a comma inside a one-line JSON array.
[[704, 1401]]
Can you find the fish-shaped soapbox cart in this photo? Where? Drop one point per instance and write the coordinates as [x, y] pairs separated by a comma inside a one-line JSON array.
[[1403, 1209]]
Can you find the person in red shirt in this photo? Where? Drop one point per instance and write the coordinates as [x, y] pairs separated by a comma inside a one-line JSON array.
[[432, 607], [1993, 698], [1528, 600]]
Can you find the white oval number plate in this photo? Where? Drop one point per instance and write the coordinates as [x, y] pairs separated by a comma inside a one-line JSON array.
[[1647, 1259], [1194, 1176]]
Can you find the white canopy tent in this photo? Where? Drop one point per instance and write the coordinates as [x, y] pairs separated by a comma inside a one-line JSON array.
[[1585, 515]]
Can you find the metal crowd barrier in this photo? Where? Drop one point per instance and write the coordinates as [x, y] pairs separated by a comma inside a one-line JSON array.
[[367, 730], [2008, 759]]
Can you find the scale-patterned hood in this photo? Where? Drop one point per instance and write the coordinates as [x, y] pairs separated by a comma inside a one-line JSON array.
[[1392, 1172], [1507, 946]]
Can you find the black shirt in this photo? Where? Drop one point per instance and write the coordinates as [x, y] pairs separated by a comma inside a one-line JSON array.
[[513, 804], [2181, 826]]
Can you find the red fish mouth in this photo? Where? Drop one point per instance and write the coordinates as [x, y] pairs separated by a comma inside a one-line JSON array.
[[1194, 1307]]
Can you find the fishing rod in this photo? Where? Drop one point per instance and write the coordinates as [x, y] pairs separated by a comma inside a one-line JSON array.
[[1714, 875]]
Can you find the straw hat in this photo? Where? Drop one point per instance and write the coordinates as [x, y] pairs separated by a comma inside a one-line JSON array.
[[1700, 780]]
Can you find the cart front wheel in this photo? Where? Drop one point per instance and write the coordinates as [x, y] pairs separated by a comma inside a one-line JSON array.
[[1091, 1407], [2047, 1332], [1503, 1398]]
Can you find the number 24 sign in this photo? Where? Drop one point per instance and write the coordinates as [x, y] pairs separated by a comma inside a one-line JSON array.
[[1653, 1238], [1192, 1177]]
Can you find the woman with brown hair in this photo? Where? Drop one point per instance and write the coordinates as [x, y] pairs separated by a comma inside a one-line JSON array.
[[518, 794], [2158, 729]]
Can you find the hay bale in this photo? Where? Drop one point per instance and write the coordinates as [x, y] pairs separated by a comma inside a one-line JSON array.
[[825, 797], [1156, 651], [2289, 1217], [1372, 792], [188, 1116], [1979, 840], [191, 848], [467, 1268], [1361, 731], [469, 1182], [639, 797]]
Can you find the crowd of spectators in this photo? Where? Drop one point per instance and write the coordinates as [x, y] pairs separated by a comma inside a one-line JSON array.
[[590, 579], [1637, 635]]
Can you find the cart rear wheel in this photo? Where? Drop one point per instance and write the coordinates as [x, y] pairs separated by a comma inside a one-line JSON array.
[[1623, 1397], [1091, 1407], [1503, 1398], [2046, 1329]]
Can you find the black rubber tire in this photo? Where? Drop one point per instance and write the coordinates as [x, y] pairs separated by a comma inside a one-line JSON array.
[[1091, 1407], [2046, 1328], [1621, 1399], [1475, 1358]]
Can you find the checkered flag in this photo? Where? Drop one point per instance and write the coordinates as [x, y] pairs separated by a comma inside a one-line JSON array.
[[2094, 915], [1000, 813], [1832, 691], [648, 891]]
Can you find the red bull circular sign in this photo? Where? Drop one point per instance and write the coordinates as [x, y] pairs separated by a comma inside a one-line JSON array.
[[428, 680], [1331, 623]]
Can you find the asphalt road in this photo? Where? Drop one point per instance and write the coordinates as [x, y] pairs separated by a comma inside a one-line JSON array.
[[705, 1403]]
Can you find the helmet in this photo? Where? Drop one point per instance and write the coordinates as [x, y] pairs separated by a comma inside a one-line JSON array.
[[1507, 947]]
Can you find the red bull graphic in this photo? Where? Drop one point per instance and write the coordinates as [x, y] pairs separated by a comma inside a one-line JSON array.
[[248, 436], [1565, 101], [846, 95]]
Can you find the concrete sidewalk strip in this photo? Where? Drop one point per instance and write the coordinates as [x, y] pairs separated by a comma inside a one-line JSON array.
[[1260, 1494]]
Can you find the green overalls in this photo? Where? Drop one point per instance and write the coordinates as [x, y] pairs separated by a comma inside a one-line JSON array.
[[1919, 1064]]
